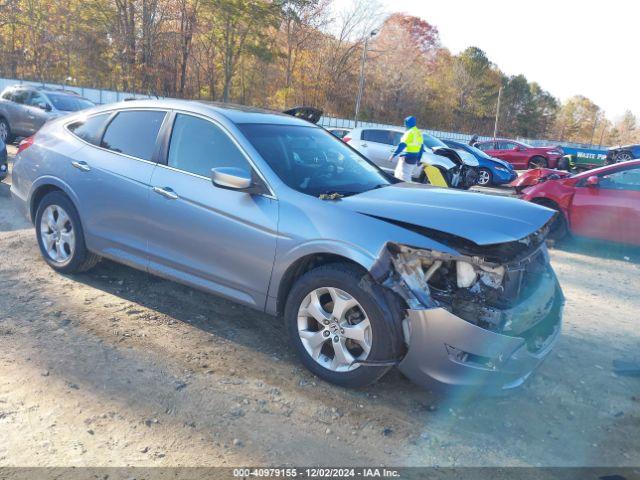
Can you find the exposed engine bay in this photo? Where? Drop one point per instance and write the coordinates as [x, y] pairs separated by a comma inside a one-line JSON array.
[[506, 288]]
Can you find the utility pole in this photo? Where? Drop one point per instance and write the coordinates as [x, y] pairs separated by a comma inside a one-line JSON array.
[[595, 124], [372, 34], [495, 127]]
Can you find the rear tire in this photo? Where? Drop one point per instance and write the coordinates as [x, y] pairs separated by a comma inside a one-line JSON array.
[[343, 296], [5, 131], [538, 162], [60, 236]]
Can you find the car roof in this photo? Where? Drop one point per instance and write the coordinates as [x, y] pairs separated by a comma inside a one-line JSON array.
[[237, 114], [40, 88]]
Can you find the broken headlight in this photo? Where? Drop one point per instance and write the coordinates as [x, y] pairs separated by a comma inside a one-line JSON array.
[[431, 276]]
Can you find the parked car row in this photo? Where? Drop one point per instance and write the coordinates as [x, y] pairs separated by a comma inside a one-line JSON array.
[[275, 213], [495, 161], [24, 109]]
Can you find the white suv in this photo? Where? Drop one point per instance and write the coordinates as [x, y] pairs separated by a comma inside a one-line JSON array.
[[377, 144]]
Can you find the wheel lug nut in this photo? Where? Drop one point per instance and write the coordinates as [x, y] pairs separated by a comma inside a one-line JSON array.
[[326, 333], [326, 322], [336, 339], [342, 330]]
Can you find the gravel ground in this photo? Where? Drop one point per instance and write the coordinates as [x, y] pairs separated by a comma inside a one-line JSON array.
[[118, 368]]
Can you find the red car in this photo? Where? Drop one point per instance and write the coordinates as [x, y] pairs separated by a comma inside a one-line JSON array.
[[520, 155], [603, 203]]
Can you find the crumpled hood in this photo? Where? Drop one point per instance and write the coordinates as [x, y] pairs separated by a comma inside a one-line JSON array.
[[482, 219]]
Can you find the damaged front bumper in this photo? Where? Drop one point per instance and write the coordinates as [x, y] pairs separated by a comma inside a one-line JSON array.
[[450, 350]]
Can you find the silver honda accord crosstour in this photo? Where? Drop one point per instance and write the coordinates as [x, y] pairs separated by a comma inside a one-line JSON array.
[[276, 213]]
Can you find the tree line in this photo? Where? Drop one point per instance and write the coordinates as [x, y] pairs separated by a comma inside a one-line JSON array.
[[281, 53]]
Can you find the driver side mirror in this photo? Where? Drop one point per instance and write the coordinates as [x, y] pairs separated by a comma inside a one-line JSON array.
[[233, 178], [44, 106], [516, 148], [593, 181]]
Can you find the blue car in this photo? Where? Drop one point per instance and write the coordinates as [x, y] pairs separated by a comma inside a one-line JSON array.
[[493, 171]]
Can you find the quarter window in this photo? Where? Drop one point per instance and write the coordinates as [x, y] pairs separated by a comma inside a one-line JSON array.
[[134, 133], [197, 146], [89, 130]]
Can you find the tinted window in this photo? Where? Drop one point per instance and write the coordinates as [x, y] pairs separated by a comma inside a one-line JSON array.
[[377, 136], [506, 145], [36, 99], [134, 133], [89, 129], [7, 95], [198, 145], [486, 146], [69, 103], [312, 161], [20, 96]]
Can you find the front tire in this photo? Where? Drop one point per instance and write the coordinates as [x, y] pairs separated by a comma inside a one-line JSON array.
[[485, 178], [60, 236], [538, 162], [336, 315]]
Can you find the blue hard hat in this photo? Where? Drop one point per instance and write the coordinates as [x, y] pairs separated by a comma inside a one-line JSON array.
[[410, 122]]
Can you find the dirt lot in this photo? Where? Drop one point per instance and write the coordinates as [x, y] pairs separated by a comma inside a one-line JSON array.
[[116, 367]]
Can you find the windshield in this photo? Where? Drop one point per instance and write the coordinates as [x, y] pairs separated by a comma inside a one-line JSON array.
[[432, 142], [312, 161], [69, 103]]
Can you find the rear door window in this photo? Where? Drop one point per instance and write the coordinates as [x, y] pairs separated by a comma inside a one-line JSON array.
[[90, 129], [377, 136], [134, 133], [20, 96]]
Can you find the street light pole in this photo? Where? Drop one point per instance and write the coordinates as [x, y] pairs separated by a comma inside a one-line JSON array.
[[361, 83], [495, 126]]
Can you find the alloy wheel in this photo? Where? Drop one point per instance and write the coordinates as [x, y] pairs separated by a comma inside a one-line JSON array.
[[484, 178], [623, 157], [57, 234], [334, 329], [4, 131]]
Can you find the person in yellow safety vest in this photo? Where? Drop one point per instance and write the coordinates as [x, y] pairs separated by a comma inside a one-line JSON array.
[[409, 150]]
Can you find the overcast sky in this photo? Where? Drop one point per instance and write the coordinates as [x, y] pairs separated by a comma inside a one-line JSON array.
[[568, 46]]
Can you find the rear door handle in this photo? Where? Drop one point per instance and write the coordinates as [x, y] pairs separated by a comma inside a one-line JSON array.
[[82, 166], [365, 145], [166, 192]]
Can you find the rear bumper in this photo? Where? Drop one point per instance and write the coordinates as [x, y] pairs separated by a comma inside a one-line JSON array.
[[445, 348]]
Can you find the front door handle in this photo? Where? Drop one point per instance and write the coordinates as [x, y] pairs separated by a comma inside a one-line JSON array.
[[166, 192], [365, 145], [82, 166]]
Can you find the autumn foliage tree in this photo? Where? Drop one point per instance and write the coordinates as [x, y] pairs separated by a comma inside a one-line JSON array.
[[280, 53]]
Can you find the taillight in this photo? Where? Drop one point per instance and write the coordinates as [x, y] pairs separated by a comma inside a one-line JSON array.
[[346, 139], [25, 143]]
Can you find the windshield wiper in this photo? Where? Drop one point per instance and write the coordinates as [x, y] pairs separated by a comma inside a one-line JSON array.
[[335, 195]]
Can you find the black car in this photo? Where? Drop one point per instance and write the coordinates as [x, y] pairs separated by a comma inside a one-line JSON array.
[[4, 168], [622, 154]]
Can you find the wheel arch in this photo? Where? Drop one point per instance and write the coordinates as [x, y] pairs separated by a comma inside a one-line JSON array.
[[302, 265], [42, 187], [550, 203]]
